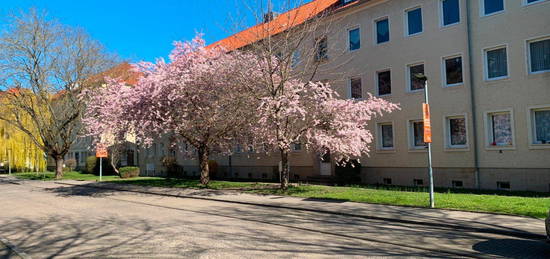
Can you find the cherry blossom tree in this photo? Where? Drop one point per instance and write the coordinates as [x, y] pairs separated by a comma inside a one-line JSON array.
[[202, 96], [314, 115]]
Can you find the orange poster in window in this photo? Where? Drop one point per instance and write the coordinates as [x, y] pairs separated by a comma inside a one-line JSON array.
[[427, 123]]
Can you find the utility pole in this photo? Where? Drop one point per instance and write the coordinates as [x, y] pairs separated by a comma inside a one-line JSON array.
[[428, 134], [100, 168]]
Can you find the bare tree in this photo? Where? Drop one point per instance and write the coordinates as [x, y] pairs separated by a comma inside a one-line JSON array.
[[44, 66]]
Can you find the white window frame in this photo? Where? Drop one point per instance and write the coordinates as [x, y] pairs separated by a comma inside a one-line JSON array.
[[358, 26], [528, 50], [525, 3], [408, 76], [442, 16], [489, 130], [376, 82], [375, 29], [410, 133], [406, 20], [531, 126], [447, 127], [482, 9], [444, 70], [379, 145], [486, 64], [349, 90]]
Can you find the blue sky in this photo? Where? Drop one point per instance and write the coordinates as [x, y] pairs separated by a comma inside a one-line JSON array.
[[143, 29]]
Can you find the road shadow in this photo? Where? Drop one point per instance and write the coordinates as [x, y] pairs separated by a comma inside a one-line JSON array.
[[514, 248]]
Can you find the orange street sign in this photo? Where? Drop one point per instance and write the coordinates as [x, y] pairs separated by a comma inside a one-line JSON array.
[[101, 151], [427, 123]]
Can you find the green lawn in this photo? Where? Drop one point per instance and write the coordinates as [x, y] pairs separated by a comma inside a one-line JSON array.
[[515, 203]]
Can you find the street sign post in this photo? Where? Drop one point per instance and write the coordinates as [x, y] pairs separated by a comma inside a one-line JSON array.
[[428, 138], [101, 152]]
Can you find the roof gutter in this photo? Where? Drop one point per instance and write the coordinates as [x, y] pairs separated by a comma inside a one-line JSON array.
[[472, 95]]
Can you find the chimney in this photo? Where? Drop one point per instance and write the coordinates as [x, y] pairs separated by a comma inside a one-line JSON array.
[[269, 16]]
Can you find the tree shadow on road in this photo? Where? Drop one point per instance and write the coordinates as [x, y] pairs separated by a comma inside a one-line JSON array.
[[514, 248]]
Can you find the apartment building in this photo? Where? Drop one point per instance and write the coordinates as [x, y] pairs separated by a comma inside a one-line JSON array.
[[488, 69]]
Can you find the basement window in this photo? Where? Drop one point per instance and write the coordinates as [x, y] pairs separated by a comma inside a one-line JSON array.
[[457, 184], [503, 185], [387, 181], [418, 182]]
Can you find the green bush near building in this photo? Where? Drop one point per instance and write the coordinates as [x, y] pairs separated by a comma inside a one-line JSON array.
[[129, 172]]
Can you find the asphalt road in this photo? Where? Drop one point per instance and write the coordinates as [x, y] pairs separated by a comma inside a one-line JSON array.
[[49, 220]]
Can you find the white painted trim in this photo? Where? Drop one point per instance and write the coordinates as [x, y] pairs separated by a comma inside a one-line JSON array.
[[489, 129], [406, 20], [486, 65], [375, 30], [482, 9], [524, 2], [410, 133], [447, 136], [377, 88], [379, 138], [528, 53], [444, 69], [441, 16], [357, 26], [531, 130], [408, 76]]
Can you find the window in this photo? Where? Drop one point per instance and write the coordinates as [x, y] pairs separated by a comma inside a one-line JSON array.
[[418, 182], [295, 59], [451, 12], [297, 146], [354, 36], [356, 91], [414, 21], [541, 125], [457, 184], [385, 135], [492, 6], [382, 31], [496, 63], [384, 82], [417, 133], [387, 181], [539, 56], [528, 2], [500, 129], [456, 132], [453, 71], [415, 83], [321, 49], [503, 185]]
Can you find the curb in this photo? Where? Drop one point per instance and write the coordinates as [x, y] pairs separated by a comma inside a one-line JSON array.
[[14, 249]]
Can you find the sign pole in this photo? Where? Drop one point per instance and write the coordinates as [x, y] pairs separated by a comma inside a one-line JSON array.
[[9, 161], [100, 168], [428, 139]]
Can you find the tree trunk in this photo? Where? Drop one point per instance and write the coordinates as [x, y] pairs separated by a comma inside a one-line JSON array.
[[58, 167], [203, 163], [285, 171]]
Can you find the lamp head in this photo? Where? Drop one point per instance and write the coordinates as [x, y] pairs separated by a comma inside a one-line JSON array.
[[420, 76]]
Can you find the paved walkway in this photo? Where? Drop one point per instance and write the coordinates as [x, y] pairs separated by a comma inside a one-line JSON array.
[[75, 219]]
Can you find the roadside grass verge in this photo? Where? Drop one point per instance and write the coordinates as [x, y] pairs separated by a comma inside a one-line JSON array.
[[531, 204]]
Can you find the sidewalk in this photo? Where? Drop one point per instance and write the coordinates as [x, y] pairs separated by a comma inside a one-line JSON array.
[[522, 227]]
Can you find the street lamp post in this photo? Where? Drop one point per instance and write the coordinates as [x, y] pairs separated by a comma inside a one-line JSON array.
[[9, 161], [427, 135]]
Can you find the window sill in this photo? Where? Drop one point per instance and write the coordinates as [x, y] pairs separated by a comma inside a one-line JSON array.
[[539, 72], [499, 148], [448, 26], [418, 150], [386, 151], [496, 79], [453, 85], [539, 146], [483, 15], [413, 35], [457, 149], [415, 91], [384, 95], [525, 4], [382, 43]]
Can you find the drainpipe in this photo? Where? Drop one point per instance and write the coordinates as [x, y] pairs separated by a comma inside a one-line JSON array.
[[472, 94]]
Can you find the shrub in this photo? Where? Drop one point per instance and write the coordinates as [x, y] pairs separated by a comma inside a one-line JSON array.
[[70, 165], [91, 162], [129, 172]]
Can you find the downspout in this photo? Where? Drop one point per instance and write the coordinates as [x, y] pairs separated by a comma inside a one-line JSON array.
[[472, 95]]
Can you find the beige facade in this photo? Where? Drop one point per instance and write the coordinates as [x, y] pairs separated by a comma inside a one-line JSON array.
[[487, 116]]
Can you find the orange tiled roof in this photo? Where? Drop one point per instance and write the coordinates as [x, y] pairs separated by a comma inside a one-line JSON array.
[[122, 71], [279, 24]]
